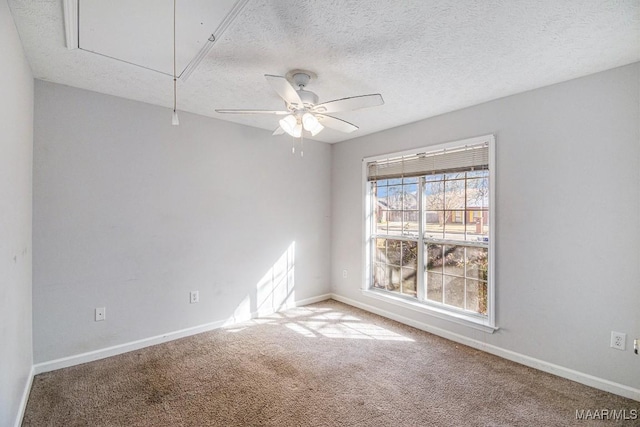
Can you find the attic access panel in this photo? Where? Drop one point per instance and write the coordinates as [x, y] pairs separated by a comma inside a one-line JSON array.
[[140, 32]]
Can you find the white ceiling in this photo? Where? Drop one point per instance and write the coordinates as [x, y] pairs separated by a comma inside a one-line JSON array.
[[125, 30], [426, 57]]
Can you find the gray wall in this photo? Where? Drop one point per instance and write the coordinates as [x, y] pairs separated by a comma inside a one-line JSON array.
[[131, 213], [567, 233], [16, 150]]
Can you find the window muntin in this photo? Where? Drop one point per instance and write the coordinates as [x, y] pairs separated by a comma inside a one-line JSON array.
[[430, 228]]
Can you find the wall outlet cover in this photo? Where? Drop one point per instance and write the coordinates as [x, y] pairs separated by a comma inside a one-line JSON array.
[[194, 297], [618, 340]]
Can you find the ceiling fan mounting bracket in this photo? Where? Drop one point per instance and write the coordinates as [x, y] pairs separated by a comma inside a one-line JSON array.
[[300, 78]]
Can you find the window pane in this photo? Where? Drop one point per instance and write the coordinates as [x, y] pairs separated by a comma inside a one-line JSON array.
[[410, 196], [394, 222], [453, 291], [477, 263], [454, 260], [409, 281], [394, 181], [434, 195], [433, 257], [451, 218], [412, 180], [477, 225], [394, 251], [380, 251], [393, 273], [388, 273], [410, 254], [381, 277], [434, 224], [454, 197], [394, 197], [410, 224], [478, 193], [381, 196], [454, 226], [477, 296], [381, 221], [434, 286]]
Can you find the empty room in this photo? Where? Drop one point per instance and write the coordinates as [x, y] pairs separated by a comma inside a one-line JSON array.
[[319, 213]]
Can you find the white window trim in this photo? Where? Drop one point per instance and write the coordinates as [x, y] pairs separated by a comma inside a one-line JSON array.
[[486, 324]]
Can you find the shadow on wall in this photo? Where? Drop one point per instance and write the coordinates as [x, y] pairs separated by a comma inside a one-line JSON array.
[[274, 291]]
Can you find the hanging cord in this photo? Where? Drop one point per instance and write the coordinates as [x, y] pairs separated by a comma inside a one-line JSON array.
[[302, 144], [175, 85]]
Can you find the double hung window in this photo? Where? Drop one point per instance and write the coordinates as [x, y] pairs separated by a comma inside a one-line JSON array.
[[428, 222]]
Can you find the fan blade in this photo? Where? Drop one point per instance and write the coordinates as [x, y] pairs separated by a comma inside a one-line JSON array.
[[284, 89], [349, 104], [277, 113], [278, 131], [337, 124]]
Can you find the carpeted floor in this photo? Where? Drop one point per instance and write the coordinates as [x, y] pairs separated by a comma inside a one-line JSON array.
[[327, 364]]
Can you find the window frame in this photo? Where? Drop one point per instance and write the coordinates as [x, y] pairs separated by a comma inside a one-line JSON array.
[[485, 323]]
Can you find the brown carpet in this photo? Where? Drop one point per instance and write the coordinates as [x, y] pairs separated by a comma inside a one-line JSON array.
[[327, 364]]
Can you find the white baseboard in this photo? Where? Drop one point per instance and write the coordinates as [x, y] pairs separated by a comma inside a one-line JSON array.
[[102, 353], [24, 398], [580, 377], [312, 300]]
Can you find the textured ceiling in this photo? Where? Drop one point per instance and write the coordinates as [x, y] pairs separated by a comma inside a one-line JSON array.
[[426, 57]]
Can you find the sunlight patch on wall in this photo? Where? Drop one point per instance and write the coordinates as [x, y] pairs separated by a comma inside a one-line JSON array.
[[273, 292]]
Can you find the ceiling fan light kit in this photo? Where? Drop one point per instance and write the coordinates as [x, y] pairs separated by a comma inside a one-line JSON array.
[[291, 126], [311, 124], [302, 109]]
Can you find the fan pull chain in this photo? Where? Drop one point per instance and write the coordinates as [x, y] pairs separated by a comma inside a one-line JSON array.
[[302, 145], [293, 145]]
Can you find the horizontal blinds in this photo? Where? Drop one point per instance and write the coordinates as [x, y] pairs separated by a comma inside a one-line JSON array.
[[472, 157]]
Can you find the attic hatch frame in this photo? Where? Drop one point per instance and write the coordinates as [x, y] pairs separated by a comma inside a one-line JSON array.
[[71, 13]]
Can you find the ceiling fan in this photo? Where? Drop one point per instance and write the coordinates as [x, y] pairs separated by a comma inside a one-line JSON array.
[[302, 109]]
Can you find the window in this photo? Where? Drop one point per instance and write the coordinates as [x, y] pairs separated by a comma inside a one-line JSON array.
[[428, 222]]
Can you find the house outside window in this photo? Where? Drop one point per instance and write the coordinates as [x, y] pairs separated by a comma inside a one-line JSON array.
[[429, 230]]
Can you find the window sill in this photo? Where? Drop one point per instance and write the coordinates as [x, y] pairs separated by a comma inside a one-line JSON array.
[[457, 318]]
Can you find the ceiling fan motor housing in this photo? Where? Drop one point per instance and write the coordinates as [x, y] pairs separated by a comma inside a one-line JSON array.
[[308, 98]]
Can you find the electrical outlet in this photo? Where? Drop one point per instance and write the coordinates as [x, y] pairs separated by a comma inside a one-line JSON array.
[[101, 313], [618, 340], [194, 297], [344, 274]]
